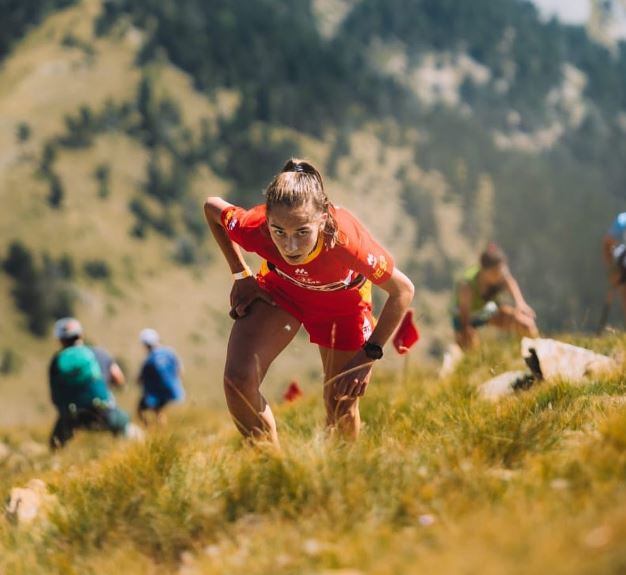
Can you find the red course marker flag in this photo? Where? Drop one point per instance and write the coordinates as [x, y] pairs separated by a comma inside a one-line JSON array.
[[407, 335], [293, 392]]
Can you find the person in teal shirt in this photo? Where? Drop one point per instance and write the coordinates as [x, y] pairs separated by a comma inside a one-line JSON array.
[[78, 387], [477, 301]]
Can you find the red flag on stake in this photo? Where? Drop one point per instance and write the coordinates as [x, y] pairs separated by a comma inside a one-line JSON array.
[[293, 392], [407, 335]]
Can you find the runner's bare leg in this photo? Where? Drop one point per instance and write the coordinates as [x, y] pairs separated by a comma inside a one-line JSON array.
[[255, 341], [343, 415]]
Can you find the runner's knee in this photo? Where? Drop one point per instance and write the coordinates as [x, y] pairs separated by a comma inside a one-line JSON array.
[[243, 378], [344, 409]]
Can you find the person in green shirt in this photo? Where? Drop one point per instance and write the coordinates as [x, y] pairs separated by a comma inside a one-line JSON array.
[[477, 301], [78, 387]]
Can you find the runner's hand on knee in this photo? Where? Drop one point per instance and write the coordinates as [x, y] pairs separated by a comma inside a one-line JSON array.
[[354, 377], [244, 292]]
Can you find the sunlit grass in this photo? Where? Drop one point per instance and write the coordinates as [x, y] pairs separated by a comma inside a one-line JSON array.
[[440, 481]]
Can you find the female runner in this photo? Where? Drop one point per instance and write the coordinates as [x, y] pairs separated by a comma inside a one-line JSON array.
[[319, 263]]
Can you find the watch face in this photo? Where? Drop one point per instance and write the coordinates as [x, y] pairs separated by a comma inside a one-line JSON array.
[[373, 351]]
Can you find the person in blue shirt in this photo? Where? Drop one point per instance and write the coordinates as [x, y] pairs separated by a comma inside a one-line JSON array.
[[160, 377], [614, 252]]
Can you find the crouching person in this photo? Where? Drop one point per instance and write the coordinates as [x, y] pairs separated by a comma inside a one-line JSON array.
[[79, 387], [477, 301]]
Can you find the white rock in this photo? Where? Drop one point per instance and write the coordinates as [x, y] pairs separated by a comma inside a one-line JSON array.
[[29, 503], [501, 386], [312, 547], [426, 520], [559, 484], [558, 359], [212, 550]]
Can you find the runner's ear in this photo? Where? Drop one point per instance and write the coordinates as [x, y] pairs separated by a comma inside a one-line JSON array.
[[323, 221]]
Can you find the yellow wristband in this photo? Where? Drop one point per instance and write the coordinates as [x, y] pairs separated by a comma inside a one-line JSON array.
[[246, 273]]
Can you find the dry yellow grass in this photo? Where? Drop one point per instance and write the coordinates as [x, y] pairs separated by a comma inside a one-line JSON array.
[[440, 482]]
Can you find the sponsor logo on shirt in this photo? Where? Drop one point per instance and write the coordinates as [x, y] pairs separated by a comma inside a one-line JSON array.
[[381, 268], [314, 284], [367, 328], [231, 222]]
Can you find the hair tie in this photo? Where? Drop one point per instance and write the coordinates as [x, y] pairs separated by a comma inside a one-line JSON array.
[[298, 168]]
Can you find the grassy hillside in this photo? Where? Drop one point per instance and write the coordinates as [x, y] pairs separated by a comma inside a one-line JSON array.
[[440, 482]]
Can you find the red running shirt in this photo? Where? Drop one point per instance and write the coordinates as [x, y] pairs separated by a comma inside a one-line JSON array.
[[312, 286]]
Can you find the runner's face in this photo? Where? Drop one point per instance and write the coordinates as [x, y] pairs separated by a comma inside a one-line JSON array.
[[295, 231], [493, 276]]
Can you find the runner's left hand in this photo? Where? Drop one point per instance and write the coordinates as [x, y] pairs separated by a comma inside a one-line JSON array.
[[354, 377], [525, 309]]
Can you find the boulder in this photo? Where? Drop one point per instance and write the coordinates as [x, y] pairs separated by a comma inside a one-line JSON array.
[[563, 360]]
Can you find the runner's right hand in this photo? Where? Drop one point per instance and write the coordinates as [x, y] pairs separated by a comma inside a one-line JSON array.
[[243, 294]]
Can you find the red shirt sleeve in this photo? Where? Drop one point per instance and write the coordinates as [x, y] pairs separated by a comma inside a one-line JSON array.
[[245, 227], [368, 256]]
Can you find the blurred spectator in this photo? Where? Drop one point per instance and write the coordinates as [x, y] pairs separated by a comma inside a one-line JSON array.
[[160, 377], [78, 377]]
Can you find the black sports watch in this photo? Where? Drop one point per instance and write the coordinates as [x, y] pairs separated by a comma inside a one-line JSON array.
[[372, 350]]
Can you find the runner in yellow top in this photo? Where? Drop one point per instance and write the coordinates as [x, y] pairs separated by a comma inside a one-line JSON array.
[[477, 301]]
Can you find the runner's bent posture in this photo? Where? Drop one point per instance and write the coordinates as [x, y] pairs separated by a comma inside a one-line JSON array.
[[319, 262], [476, 301]]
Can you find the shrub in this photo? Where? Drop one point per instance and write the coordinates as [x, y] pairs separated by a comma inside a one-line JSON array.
[[23, 132], [48, 156], [10, 362], [79, 129], [97, 269], [185, 251], [57, 191], [102, 175], [42, 293]]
